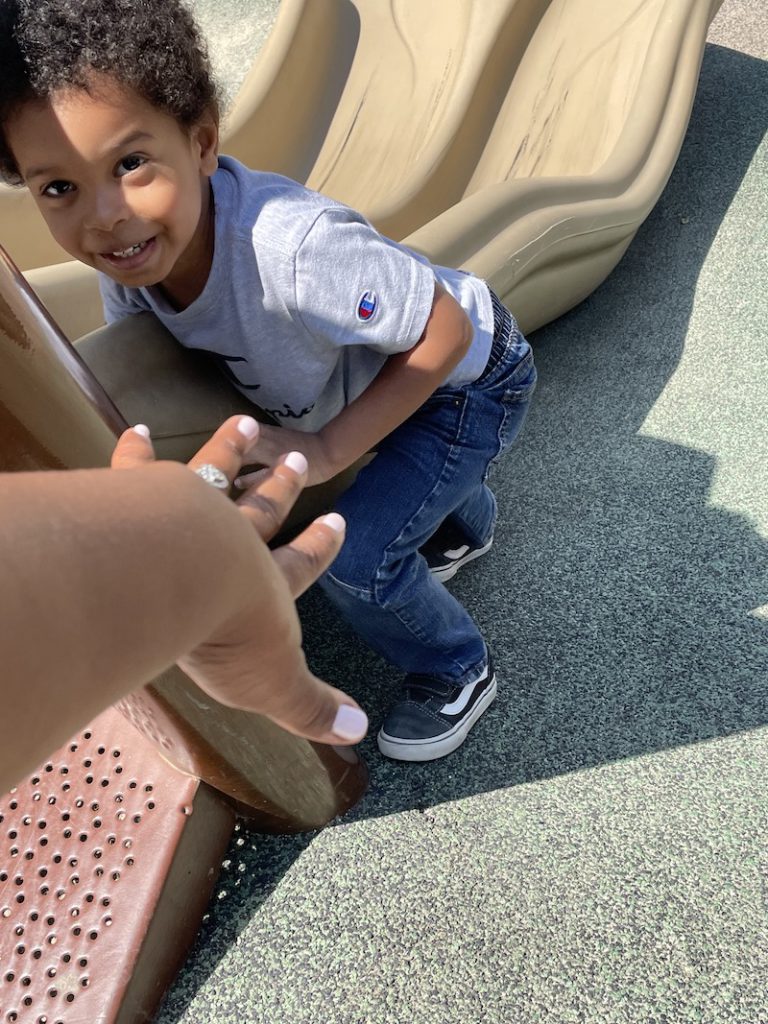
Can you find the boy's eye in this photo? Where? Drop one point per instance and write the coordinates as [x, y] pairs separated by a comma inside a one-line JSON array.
[[58, 188], [130, 163]]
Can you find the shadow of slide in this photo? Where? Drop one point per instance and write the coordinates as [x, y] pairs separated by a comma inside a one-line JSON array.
[[617, 598]]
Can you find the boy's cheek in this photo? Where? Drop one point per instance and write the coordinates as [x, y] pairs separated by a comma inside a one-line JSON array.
[[52, 223], [63, 237], [67, 241]]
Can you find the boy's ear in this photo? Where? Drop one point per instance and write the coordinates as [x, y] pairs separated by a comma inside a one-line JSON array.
[[206, 135]]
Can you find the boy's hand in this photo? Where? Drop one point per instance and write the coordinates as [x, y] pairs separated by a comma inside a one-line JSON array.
[[273, 442]]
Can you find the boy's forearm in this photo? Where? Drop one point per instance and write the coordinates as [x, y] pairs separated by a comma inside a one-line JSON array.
[[405, 382], [102, 586]]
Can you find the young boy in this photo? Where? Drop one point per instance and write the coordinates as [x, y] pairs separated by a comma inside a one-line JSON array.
[[109, 115]]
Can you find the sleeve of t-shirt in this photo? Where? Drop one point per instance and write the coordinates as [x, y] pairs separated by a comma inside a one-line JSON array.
[[355, 287], [117, 301]]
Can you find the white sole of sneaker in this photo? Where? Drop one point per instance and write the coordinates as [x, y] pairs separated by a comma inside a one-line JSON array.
[[440, 746], [449, 571]]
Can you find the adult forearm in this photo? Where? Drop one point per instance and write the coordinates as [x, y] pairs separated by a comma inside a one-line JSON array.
[[102, 586]]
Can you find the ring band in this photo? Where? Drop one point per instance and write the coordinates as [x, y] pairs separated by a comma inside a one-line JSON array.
[[213, 476]]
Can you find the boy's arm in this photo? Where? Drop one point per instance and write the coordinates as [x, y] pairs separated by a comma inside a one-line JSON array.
[[405, 382]]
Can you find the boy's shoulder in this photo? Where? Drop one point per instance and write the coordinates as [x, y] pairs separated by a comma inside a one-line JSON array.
[[269, 208]]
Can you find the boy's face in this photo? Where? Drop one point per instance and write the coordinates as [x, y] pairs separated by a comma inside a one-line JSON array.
[[122, 186]]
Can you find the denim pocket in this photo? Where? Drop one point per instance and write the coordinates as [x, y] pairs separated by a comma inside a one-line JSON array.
[[515, 401]]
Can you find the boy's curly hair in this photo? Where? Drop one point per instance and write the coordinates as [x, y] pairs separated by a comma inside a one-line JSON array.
[[151, 46]]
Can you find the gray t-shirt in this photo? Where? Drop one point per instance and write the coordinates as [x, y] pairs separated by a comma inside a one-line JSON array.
[[305, 300]]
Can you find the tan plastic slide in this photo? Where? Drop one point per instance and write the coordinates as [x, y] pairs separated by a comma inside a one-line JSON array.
[[525, 140]]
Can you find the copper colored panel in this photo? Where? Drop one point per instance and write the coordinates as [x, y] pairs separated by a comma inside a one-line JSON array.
[[46, 388], [281, 783], [102, 849], [20, 450]]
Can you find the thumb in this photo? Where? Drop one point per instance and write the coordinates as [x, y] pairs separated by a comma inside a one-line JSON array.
[[302, 704], [327, 716], [133, 449]]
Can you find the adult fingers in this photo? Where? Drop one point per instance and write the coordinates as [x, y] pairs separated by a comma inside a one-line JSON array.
[[228, 448], [307, 556], [133, 449], [273, 494]]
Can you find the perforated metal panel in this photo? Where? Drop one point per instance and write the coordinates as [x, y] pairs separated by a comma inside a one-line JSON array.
[[86, 845]]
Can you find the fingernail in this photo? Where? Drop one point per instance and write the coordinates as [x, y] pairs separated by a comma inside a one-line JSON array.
[[141, 428], [335, 521], [350, 723], [248, 427], [296, 462]]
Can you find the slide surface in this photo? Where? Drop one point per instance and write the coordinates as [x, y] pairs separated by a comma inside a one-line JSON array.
[[525, 140]]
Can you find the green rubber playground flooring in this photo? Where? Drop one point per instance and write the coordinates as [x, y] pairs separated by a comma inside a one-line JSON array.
[[596, 852]]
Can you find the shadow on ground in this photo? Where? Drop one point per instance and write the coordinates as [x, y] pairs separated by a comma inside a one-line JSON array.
[[617, 599]]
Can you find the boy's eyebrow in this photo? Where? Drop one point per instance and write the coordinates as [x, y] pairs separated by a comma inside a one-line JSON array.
[[138, 136]]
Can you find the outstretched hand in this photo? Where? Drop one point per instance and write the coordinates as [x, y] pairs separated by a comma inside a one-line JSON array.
[[254, 661]]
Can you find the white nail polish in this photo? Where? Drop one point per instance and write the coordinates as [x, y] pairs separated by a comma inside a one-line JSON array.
[[350, 723], [335, 521], [296, 461], [141, 428], [248, 427]]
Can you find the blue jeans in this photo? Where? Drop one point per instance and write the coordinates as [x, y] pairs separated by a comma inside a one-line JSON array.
[[434, 466]]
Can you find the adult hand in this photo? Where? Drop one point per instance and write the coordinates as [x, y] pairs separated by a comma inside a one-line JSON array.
[[254, 660]]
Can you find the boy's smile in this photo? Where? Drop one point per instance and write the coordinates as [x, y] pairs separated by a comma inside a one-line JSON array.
[[122, 186]]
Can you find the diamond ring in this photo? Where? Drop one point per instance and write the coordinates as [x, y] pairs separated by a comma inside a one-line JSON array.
[[213, 476]]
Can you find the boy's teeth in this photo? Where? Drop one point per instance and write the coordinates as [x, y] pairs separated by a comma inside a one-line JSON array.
[[130, 251]]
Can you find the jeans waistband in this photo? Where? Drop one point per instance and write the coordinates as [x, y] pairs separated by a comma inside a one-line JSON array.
[[503, 325]]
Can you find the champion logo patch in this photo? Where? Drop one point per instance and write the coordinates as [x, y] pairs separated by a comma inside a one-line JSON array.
[[367, 306]]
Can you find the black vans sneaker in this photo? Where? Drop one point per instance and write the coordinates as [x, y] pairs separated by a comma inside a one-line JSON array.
[[434, 717], [447, 550]]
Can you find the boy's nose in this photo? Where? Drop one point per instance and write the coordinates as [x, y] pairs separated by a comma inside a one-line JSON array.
[[108, 209]]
